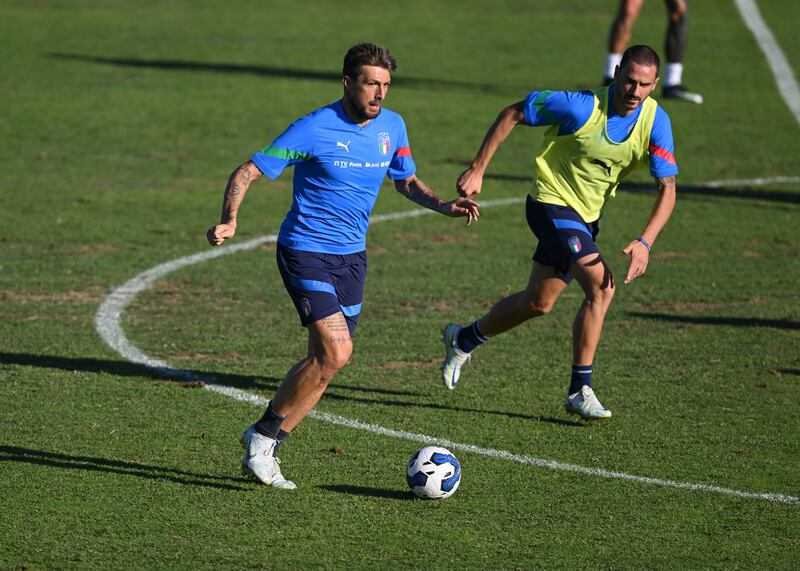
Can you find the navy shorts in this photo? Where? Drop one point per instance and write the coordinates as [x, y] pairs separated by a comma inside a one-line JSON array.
[[563, 235], [323, 284]]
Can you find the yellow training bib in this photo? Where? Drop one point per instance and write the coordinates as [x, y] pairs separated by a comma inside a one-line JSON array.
[[583, 169]]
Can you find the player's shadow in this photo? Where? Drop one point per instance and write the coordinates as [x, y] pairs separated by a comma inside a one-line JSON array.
[[365, 491], [334, 393], [280, 72], [94, 464], [724, 321], [188, 378], [196, 379], [743, 193]]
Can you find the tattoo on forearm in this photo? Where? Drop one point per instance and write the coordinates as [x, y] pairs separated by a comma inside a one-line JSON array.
[[416, 191], [665, 182], [238, 184]]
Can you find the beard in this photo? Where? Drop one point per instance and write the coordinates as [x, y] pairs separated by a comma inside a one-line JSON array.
[[361, 112]]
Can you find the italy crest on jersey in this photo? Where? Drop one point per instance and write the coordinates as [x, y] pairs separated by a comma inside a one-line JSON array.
[[383, 143], [574, 244]]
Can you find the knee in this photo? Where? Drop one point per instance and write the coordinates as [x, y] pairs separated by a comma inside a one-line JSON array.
[[678, 10], [602, 295], [538, 307], [629, 12], [334, 359]]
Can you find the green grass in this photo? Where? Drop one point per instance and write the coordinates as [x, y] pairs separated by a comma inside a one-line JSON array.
[[120, 126]]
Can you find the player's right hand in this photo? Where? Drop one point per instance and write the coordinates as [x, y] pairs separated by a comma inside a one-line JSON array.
[[469, 183], [216, 235]]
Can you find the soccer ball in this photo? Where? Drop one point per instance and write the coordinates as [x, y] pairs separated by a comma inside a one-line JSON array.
[[433, 473]]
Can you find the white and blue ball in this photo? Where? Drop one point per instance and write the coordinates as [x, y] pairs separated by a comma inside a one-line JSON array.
[[433, 473]]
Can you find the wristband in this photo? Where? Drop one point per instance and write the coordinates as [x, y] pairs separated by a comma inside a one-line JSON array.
[[643, 241]]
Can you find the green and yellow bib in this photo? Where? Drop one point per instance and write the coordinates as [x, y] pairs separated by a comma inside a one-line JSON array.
[[583, 169]]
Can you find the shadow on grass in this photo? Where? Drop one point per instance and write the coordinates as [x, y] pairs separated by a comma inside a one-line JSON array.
[[795, 372], [282, 72], [787, 196], [370, 492], [725, 321], [64, 461], [195, 379]]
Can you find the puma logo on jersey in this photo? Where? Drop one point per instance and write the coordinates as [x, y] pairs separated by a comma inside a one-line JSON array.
[[345, 146], [602, 164]]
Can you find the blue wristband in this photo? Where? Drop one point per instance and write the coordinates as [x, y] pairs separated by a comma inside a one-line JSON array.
[[643, 241]]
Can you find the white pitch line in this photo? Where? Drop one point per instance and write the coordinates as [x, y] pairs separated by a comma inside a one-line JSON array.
[[107, 323], [781, 70], [748, 182]]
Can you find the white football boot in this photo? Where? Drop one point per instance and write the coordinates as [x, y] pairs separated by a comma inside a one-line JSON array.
[[454, 357], [585, 403], [260, 462]]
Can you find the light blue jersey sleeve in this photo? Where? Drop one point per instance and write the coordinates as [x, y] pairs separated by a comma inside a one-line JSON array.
[[402, 165], [567, 109], [662, 147], [295, 145]]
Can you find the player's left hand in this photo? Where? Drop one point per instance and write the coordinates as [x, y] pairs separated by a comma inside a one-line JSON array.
[[640, 256], [463, 207]]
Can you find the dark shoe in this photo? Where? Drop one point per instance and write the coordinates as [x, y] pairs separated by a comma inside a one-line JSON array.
[[680, 92]]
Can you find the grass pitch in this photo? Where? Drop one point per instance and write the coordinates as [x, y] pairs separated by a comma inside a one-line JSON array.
[[121, 124]]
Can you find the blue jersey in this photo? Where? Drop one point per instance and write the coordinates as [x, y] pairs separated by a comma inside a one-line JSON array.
[[338, 170], [571, 109]]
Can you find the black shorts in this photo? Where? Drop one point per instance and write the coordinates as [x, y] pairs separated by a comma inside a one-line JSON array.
[[563, 235], [324, 284]]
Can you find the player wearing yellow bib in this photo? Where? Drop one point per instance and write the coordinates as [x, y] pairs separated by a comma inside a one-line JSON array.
[[595, 139]]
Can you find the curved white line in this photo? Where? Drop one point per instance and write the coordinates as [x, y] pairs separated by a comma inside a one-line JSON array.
[[781, 70], [107, 322]]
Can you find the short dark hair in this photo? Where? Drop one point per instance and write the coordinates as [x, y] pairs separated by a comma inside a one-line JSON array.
[[641, 54], [367, 54]]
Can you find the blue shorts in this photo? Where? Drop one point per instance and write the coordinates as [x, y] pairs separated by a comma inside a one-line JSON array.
[[563, 235], [323, 284]]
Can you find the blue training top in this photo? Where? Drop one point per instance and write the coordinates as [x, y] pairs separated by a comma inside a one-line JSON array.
[[571, 109], [339, 168]]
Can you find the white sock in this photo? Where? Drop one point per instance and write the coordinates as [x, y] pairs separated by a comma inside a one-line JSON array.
[[673, 72], [612, 61]]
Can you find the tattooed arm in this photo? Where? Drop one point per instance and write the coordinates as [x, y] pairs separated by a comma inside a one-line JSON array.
[[238, 183], [662, 209], [417, 191]]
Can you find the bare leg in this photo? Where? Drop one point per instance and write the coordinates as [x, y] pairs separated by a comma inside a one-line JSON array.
[[544, 287], [622, 27], [329, 349], [597, 282]]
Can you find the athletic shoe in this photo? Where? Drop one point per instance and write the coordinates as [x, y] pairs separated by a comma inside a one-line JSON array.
[[680, 92], [259, 460], [453, 356], [585, 403]]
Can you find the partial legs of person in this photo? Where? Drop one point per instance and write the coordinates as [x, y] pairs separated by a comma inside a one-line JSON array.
[[597, 283], [329, 350], [620, 35], [675, 47], [543, 289]]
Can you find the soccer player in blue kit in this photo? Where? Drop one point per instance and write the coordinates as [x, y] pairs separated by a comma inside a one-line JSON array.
[[594, 139], [341, 154]]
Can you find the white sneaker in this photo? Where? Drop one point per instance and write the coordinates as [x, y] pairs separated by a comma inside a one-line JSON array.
[[585, 403], [453, 356], [259, 459]]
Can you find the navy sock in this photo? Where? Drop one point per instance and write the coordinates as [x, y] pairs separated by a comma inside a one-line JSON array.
[[270, 423], [470, 337], [282, 435], [581, 375]]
